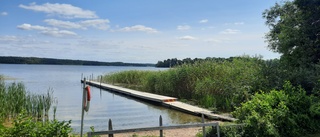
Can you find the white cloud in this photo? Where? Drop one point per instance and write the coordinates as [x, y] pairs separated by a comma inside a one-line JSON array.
[[62, 10], [230, 31], [101, 24], [64, 24], [34, 27], [139, 28], [20, 40], [47, 30], [96, 23], [187, 38], [204, 21], [4, 13], [8, 38], [58, 33], [183, 27]]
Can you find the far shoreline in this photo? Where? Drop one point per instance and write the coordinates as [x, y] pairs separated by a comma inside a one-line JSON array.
[[53, 61]]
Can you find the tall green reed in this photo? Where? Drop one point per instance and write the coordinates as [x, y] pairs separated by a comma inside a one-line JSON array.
[[14, 99], [212, 84]]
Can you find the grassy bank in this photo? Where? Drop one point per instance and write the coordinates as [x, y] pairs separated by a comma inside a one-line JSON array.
[[221, 85]]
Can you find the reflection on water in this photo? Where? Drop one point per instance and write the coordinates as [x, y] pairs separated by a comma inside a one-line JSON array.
[[125, 112]]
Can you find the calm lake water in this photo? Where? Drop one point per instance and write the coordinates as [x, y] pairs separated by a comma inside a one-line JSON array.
[[65, 81]]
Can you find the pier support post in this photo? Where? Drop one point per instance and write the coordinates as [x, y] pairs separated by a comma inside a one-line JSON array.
[[160, 124], [110, 128]]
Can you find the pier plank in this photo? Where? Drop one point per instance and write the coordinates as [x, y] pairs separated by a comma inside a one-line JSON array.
[[134, 93]]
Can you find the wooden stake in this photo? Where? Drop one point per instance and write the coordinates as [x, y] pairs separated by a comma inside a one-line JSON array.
[[160, 124], [110, 127], [203, 128]]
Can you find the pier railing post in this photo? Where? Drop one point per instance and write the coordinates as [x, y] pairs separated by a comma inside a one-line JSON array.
[[100, 81], [110, 127], [82, 110], [160, 124], [92, 77], [100, 86], [203, 128]]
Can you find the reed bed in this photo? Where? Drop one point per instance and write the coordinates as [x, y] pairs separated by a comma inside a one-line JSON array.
[[14, 99], [219, 85]]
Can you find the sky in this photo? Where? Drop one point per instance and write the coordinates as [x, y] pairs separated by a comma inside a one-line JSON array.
[[133, 31]]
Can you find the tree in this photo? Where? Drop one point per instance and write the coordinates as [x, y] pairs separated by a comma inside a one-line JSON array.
[[295, 31]]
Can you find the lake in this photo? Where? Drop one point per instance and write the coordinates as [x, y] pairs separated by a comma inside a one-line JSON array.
[[65, 81]]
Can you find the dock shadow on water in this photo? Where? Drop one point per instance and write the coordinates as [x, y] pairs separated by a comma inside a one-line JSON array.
[[127, 112]]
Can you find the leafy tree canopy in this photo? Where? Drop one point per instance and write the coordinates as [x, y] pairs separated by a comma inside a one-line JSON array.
[[295, 31]]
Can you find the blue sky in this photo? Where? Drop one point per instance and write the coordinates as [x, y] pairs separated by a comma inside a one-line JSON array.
[[137, 31]]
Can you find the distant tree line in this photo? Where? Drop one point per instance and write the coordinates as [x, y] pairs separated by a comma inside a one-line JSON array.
[[51, 61], [175, 62]]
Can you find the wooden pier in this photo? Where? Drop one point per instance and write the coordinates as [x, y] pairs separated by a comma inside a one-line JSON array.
[[166, 101]]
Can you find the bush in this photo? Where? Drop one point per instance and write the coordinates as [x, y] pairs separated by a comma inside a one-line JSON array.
[[25, 126], [226, 130], [289, 112]]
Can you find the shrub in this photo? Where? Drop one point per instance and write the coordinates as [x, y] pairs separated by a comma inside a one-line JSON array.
[[288, 112], [226, 130], [25, 126]]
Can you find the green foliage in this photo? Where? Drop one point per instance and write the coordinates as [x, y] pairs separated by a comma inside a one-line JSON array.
[[315, 110], [275, 73], [26, 111], [25, 126], [294, 31], [168, 63], [288, 112], [130, 77], [295, 34], [213, 84], [231, 131], [92, 130], [14, 98], [226, 130]]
